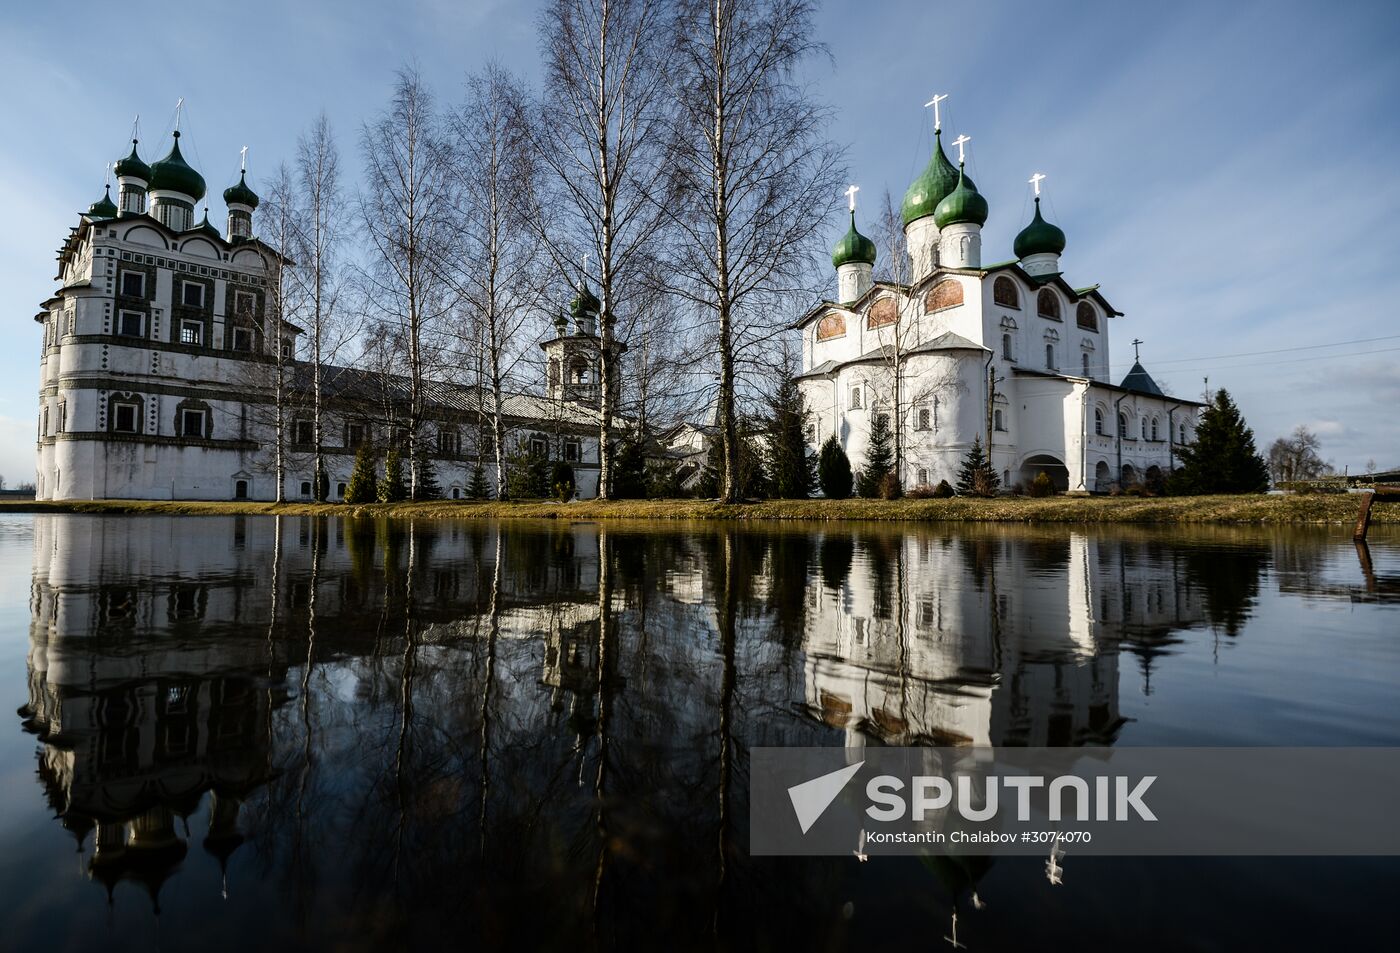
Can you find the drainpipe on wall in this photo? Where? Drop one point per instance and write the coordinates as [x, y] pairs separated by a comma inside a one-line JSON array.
[[1118, 430], [1084, 437], [1171, 437]]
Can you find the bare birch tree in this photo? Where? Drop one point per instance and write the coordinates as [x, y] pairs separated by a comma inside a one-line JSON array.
[[600, 140], [754, 176], [407, 213], [279, 234], [319, 274], [499, 266]]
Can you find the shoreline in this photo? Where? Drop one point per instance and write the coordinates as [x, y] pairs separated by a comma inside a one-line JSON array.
[[1254, 509]]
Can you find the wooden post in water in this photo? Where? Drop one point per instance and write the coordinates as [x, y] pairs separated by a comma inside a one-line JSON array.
[[1381, 494]]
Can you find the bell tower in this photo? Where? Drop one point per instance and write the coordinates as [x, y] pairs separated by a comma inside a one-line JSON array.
[[571, 356]]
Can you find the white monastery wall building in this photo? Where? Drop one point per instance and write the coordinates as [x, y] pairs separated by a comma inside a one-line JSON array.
[[1010, 353], [157, 374]]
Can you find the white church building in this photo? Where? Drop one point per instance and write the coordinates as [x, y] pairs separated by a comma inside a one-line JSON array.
[[157, 374], [1011, 353]]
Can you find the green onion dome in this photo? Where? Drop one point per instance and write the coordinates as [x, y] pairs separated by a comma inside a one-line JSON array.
[[1039, 237], [103, 207], [206, 227], [133, 167], [173, 174], [853, 247], [932, 185], [962, 206], [584, 302], [240, 194]]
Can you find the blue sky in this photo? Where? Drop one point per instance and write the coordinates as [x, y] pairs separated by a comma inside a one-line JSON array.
[[1226, 171]]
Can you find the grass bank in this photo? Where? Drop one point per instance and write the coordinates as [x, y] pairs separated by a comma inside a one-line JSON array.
[[1335, 509]]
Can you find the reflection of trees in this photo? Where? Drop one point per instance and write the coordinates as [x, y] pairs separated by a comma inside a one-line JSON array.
[[1228, 579]]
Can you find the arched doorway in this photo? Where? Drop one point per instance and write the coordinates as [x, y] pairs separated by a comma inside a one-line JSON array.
[[1051, 466], [1129, 476], [1103, 477]]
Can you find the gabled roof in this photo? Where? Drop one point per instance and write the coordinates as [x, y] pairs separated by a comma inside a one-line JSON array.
[[871, 293]]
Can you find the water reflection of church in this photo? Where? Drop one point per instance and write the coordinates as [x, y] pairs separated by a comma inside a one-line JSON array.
[[936, 640], [167, 661]]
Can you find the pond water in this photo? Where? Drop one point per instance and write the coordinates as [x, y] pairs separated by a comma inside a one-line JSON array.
[[253, 733]]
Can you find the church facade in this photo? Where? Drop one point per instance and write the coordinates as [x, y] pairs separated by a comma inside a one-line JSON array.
[[1009, 353], [160, 360]]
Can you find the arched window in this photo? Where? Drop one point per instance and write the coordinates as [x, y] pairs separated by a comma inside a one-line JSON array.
[[1146, 429], [948, 293], [1086, 317], [1004, 292], [831, 326], [1098, 421], [923, 476], [1049, 357], [1047, 304], [1154, 429], [1006, 347], [998, 421], [1085, 355], [1183, 434], [883, 312], [1123, 425]]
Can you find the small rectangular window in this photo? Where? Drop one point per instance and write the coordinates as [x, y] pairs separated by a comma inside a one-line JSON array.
[[192, 423], [855, 398], [304, 432], [448, 442], [539, 447], [133, 284], [242, 339], [131, 324], [571, 451], [243, 302], [191, 332], [286, 348], [124, 418], [192, 294], [354, 435], [925, 419]]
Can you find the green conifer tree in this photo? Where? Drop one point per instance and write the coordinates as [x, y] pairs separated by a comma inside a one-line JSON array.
[[428, 486], [879, 457], [977, 478], [361, 488], [392, 487], [834, 470], [630, 467], [478, 488], [1223, 459], [790, 470]]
